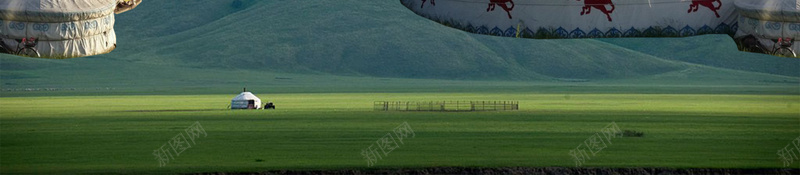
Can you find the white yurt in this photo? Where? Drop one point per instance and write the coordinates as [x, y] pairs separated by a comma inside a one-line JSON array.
[[246, 100], [62, 28], [768, 20]]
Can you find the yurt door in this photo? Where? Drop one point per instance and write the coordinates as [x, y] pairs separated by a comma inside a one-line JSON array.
[[251, 104]]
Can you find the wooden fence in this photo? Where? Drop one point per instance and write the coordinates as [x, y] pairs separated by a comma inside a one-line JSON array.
[[445, 105]]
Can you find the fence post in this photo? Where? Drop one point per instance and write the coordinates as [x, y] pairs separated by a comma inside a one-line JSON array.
[[472, 106]]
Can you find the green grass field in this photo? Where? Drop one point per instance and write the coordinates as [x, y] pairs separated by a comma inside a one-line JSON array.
[[699, 101], [117, 134]]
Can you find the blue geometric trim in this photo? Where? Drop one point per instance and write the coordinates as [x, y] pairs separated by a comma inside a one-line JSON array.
[[632, 32], [750, 21], [794, 27], [613, 32], [42, 27], [107, 20], [543, 33], [496, 32], [723, 28], [68, 27], [561, 33], [650, 32], [705, 30], [687, 31], [482, 30], [511, 32], [577, 33], [16, 25], [89, 25], [771, 25], [595, 33], [670, 32]]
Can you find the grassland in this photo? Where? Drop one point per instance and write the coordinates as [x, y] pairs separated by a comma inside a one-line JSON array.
[[698, 101], [117, 134]]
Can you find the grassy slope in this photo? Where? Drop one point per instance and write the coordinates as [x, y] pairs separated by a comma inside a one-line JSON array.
[[113, 77], [105, 134], [382, 38], [712, 51]]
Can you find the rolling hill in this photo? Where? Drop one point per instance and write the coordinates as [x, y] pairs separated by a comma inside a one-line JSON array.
[[163, 43]]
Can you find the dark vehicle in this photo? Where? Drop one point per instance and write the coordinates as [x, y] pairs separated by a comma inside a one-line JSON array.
[[269, 105]]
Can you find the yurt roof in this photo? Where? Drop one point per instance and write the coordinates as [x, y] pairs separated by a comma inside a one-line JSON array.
[[55, 10], [245, 96]]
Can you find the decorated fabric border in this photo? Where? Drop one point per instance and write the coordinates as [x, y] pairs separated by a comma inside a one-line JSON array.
[[769, 29], [78, 47], [56, 31], [58, 16], [563, 33]]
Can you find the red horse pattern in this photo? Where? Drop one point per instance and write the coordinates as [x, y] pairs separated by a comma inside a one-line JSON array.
[[707, 3], [599, 5], [502, 4], [433, 3]]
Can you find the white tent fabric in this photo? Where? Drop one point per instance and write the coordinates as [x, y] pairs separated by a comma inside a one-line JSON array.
[[242, 100], [550, 19], [770, 10], [55, 10], [769, 20], [767, 29], [546, 19], [64, 28]]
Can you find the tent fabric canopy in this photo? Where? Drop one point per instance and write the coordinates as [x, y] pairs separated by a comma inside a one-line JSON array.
[[773, 10], [63, 28], [55, 10], [769, 20], [549, 19]]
